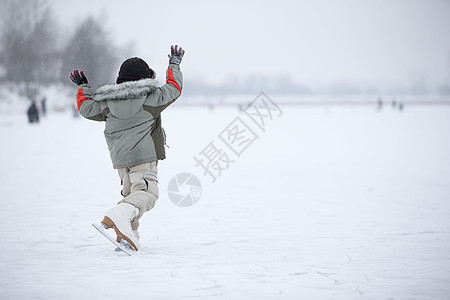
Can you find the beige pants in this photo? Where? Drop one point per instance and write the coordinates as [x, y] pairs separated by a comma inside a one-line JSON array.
[[140, 187]]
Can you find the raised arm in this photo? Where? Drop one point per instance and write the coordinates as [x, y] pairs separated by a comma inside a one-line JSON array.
[[168, 93], [87, 107]]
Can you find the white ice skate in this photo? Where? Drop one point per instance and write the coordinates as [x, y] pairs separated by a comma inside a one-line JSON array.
[[120, 218]]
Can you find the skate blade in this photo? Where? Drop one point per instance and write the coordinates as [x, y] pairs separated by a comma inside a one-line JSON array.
[[101, 229], [127, 245], [107, 223]]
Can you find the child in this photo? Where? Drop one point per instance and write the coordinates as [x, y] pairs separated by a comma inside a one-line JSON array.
[[131, 109]]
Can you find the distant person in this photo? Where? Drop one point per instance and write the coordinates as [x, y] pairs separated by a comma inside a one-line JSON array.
[[33, 113], [132, 110], [44, 106], [379, 103]]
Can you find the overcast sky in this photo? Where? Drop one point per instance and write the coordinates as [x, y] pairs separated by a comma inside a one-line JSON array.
[[315, 42]]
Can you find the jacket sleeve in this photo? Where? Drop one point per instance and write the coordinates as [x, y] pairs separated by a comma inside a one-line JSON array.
[[158, 100], [87, 107]]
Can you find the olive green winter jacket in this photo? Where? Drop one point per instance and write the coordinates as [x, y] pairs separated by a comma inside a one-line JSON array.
[[132, 112]]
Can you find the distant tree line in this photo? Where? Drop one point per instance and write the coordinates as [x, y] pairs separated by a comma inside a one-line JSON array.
[[285, 85], [32, 52]]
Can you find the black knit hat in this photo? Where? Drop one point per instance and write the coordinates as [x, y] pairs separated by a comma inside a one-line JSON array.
[[134, 69]]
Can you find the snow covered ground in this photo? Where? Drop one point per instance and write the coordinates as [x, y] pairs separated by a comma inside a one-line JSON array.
[[337, 202]]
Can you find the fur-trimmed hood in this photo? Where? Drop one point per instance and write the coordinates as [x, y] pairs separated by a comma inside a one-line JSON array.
[[126, 90], [127, 98]]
